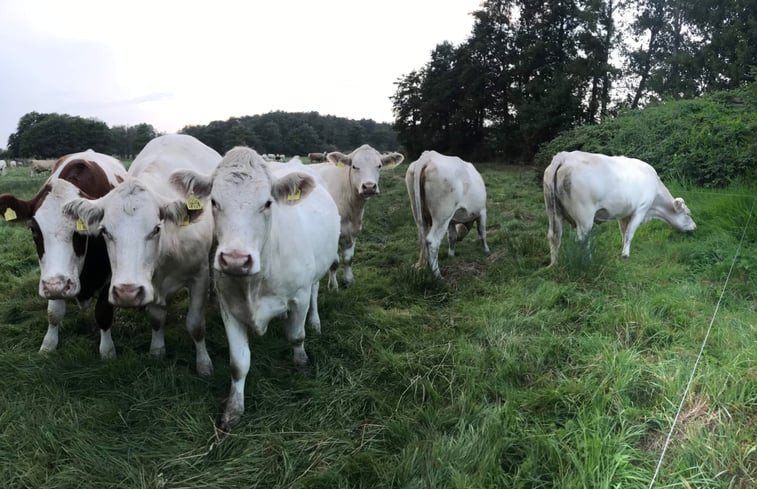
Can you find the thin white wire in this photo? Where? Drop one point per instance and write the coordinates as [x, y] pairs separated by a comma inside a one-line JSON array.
[[701, 350]]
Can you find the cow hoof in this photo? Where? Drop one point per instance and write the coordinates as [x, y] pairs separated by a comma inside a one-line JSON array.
[[300, 359], [44, 350], [205, 369], [108, 354], [158, 352], [316, 326]]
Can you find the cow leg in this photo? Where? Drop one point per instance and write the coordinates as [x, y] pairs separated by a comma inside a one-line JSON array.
[[333, 282], [157, 316], [347, 254], [433, 241], [56, 309], [451, 238], [239, 359], [554, 236], [633, 225], [314, 320], [295, 327], [481, 227], [198, 294], [104, 319]]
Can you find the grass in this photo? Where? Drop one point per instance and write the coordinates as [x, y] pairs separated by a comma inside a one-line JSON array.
[[506, 374]]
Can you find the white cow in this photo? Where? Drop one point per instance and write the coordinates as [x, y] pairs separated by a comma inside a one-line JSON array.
[[13, 164], [277, 235], [158, 241], [3, 167], [446, 193], [584, 188], [351, 179]]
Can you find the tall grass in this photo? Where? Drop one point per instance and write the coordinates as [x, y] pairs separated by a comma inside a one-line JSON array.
[[506, 374]]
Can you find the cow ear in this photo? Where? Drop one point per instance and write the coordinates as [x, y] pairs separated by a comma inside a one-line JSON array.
[[679, 204], [87, 213], [13, 209], [189, 182], [339, 159], [180, 212], [292, 188], [391, 160]]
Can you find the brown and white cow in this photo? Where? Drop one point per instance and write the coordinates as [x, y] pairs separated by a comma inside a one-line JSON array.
[[72, 266], [158, 241], [317, 157], [351, 180], [446, 193], [587, 188]]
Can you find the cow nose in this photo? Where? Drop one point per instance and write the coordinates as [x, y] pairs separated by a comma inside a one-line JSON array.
[[128, 295], [369, 188], [57, 287], [235, 262]]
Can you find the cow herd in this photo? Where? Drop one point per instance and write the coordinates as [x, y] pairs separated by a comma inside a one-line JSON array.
[[134, 239]]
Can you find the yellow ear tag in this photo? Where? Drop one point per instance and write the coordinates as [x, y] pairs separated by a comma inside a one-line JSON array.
[[339, 164], [80, 225], [193, 203], [294, 196], [185, 221], [10, 214]]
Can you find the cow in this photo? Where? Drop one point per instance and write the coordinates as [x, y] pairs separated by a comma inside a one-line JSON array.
[[317, 157], [352, 179], [41, 166], [587, 188], [71, 266], [3, 167], [446, 194], [13, 164], [158, 241], [278, 233]]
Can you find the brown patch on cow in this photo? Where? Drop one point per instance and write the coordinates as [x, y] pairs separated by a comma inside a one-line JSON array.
[[119, 179], [59, 162], [39, 243], [89, 177], [24, 209]]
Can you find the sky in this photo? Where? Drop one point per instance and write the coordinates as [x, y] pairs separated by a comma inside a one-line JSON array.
[[176, 63]]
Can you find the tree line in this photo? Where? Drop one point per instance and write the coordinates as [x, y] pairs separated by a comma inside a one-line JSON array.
[[51, 135], [40, 135], [294, 133], [531, 69]]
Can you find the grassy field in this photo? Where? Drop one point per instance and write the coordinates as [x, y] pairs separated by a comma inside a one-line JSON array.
[[505, 375]]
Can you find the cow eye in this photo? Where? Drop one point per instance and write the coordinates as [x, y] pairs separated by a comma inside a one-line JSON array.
[[105, 233], [267, 205], [213, 202], [154, 232], [355, 168]]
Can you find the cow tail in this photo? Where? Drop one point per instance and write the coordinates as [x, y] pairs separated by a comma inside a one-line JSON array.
[[419, 200], [550, 190]]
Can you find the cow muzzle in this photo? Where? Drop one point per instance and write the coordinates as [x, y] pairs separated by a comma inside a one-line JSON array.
[[235, 262], [369, 188], [128, 295], [58, 287]]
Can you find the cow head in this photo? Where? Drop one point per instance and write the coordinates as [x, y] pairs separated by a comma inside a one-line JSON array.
[[364, 165], [61, 251], [680, 217], [246, 199], [131, 219]]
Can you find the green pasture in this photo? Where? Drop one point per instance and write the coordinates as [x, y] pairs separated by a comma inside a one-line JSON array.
[[504, 375]]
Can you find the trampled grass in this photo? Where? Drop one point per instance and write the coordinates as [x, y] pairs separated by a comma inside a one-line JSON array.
[[506, 374]]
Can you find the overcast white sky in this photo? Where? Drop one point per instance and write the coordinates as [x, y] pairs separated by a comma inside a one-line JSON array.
[[174, 63]]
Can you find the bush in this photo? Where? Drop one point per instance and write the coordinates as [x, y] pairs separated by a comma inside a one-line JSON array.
[[710, 141]]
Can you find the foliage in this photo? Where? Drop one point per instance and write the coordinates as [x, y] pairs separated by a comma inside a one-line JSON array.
[[294, 133], [505, 374], [531, 69], [710, 141]]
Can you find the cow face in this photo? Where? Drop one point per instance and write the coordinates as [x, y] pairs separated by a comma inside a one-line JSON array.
[[364, 166], [681, 217], [245, 199], [131, 220], [60, 250]]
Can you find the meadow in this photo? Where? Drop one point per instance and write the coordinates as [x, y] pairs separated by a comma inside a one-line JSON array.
[[503, 375]]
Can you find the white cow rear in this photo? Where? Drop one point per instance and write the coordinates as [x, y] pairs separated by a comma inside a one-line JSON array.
[[446, 193], [584, 188]]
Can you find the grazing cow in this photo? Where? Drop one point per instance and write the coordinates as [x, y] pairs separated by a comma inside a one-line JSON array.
[[72, 266], [41, 166], [3, 167], [13, 164], [584, 188], [446, 193], [277, 233], [317, 157], [351, 179], [158, 242]]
